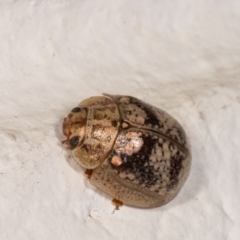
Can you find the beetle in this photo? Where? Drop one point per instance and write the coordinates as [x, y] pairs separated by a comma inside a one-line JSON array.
[[134, 152]]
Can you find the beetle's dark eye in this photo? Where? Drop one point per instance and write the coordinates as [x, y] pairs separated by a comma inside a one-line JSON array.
[[74, 141], [76, 109]]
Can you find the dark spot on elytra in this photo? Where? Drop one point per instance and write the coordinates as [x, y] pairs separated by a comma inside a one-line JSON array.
[[125, 158], [114, 123], [151, 117], [136, 163], [176, 166]]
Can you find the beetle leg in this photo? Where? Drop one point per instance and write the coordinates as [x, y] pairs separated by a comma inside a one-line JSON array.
[[117, 203], [88, 173], [65, 142]]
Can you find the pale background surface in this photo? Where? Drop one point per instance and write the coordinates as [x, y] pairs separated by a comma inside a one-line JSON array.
[[182, 56]]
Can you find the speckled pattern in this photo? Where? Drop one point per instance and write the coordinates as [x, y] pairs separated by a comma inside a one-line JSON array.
[[139, 154], [158, 169], [139, 113], [100, 134], [155, 167]]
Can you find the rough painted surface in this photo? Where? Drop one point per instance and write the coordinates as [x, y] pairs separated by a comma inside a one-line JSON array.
[[182, 56]]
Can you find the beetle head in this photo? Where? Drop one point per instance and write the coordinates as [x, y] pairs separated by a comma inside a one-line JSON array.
[[74, 127]]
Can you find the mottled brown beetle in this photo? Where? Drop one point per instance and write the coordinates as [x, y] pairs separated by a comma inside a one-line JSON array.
[[134, 152]]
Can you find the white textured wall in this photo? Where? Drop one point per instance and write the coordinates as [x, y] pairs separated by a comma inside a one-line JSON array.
[[183, 56]]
